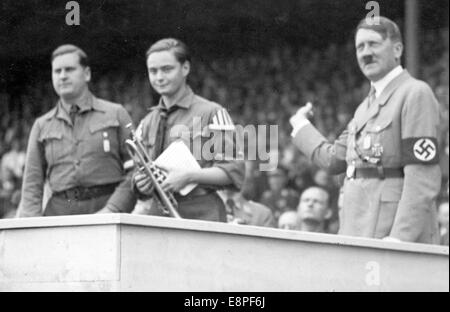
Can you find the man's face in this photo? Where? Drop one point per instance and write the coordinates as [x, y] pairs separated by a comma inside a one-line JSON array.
[[166, 74], [376, 56], [70, 79], [313, 205]]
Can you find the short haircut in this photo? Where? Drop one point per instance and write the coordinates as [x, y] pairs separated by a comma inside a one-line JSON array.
[[70, 48], [180, 50], [322, 189], [386, 28], [287, 215]]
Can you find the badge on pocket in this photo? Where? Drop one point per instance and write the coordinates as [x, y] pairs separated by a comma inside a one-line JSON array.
[[106, 144], [367, 142], [350, 172]]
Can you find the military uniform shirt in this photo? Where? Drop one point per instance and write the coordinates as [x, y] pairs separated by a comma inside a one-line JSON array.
[[89, 153], [399, 130], [188, 123], [205, 127]]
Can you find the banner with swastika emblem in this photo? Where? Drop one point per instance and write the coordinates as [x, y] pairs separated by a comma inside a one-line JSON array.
[[420, 151]]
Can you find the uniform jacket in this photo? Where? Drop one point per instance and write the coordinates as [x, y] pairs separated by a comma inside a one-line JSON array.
[[400, 130], [199, 123], [88, 154]]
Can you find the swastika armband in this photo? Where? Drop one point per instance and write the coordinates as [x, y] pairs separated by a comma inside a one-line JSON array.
[[422, 150]]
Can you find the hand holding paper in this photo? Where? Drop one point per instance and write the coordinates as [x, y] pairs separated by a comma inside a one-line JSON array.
[[177, 160]]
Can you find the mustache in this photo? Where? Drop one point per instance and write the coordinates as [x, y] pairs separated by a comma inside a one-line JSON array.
[[367, 59]]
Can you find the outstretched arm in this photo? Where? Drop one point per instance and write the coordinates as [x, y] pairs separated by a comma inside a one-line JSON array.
[[313, 144]]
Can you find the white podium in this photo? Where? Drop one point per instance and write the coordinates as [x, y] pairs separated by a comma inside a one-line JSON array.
[[122, 252]]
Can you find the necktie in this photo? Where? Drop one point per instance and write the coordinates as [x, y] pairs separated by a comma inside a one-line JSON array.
[[162, 129], [73, 113], [372, 95]]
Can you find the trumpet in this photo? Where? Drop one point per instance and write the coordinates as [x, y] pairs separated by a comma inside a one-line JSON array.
[[136, 149]]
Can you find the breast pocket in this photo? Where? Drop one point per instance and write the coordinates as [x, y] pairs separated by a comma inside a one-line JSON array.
[[56, 146], [103, 138], [378, 131], [374, 141]]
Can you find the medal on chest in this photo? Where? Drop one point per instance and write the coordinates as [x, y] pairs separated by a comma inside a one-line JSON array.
[[351, 168], [377, 150], [367, 142]]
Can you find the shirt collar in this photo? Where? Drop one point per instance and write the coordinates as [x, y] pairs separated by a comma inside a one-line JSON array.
[[88, 102], [85, 103], [185, 101], [381, 84]]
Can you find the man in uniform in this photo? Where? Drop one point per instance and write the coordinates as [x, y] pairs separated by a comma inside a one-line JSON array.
[[168, 63], [78, 146], [389, 150]]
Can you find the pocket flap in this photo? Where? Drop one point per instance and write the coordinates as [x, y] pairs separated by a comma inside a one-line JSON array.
[[50, 135], [379, 126], [103, 125]]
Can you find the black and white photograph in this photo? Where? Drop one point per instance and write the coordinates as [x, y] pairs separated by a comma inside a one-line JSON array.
[[224, 150]]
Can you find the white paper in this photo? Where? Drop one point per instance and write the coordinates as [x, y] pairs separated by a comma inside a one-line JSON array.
[[178, 155]]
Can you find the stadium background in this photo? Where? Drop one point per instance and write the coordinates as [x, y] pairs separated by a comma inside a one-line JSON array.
[[260, 59]]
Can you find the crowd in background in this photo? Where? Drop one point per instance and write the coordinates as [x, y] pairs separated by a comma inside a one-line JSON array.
[[257, 89]]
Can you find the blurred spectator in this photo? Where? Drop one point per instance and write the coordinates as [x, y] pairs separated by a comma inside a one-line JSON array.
[[301, 180], [257, 88], [255, 180], [329, 183], [313, 210], [333, 226], [443, 222], [12, 166], [279, 198], [240, 210], [11, 173], [288, 221]]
